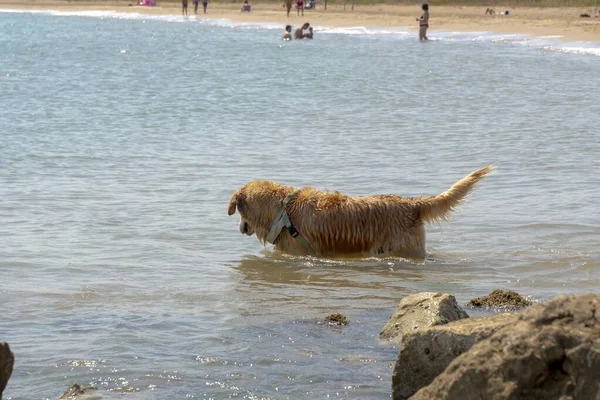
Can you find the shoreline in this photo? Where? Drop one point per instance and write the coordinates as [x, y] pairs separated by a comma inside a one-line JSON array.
[[562, 24]]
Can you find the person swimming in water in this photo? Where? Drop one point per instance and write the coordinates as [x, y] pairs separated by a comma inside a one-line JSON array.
[[299, 33], [309, 35], [287, 34], [424, 22]]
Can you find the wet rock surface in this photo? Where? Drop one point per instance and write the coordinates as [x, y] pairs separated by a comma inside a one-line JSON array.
[[551, 352], [501, 299], [421, 310], [427, 352]]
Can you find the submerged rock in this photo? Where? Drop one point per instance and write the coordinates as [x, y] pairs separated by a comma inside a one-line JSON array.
[[551, 352], [421, 310], [501, 299], [337, 319], [7, 361], [79, 392], [426, 353]]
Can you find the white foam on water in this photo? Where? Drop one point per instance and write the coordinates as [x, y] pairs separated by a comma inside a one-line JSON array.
[[221, 22], [549, 43], [226, 23], [363, 31], [575, 49], [542, 43], [103, 14]]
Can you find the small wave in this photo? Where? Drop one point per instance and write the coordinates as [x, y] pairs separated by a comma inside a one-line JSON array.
[[226, 23], [557, 226], [100, 14], [544, 43], [574, 50], [364, 31], [220, 22]]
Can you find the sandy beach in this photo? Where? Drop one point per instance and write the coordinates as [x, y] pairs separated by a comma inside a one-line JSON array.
[[563, 22]]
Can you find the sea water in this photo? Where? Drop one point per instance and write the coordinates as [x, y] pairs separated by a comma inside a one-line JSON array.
[[123, 137]]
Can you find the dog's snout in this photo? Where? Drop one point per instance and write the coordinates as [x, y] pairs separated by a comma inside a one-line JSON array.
[[245, 228]]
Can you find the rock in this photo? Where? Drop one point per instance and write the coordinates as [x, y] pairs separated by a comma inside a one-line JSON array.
[[551, 352], [79, 392], [421, 310], [7, 361], [337, 319], [501, 299], [426, 353]]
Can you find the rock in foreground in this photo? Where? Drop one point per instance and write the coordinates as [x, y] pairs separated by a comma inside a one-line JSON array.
[[421, 310], [552, 352], [501, 299], [7, 361], [426, 353]]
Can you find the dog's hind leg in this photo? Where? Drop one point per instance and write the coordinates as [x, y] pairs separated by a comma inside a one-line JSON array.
[[411, 244]]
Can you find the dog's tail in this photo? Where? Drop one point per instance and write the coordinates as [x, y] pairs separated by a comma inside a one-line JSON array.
[[436, 208]]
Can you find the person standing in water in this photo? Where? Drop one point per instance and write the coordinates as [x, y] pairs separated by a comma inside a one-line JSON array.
[[299, 33], [184, 7], [287, 34], [424, 22]]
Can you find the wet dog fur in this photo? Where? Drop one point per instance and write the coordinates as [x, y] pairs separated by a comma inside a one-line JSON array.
[[337, 225]]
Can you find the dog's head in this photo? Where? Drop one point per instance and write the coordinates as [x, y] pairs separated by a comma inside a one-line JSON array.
[[258, 203]]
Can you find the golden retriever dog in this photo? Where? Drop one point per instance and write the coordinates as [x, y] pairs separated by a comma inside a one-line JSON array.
[[337, 225]]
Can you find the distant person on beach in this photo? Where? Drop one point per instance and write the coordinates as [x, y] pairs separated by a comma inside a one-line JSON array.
[[491, 11], [184, 7], [287, 34], [246, 7], [299, 33], [424, 22], [195, 6], [300, 6], [204, 5], [288, 6]]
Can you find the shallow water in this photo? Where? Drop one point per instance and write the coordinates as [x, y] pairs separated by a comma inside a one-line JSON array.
[[124, 137]]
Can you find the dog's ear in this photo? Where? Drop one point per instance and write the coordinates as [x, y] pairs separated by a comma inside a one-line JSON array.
[[233, 203]]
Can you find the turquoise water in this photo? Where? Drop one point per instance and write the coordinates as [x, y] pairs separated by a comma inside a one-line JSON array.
[[123, 137]]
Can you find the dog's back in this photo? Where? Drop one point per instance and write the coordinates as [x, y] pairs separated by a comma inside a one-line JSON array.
[[337, 224]]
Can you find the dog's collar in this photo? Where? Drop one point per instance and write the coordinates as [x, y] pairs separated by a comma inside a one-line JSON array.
[[283, 220]]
